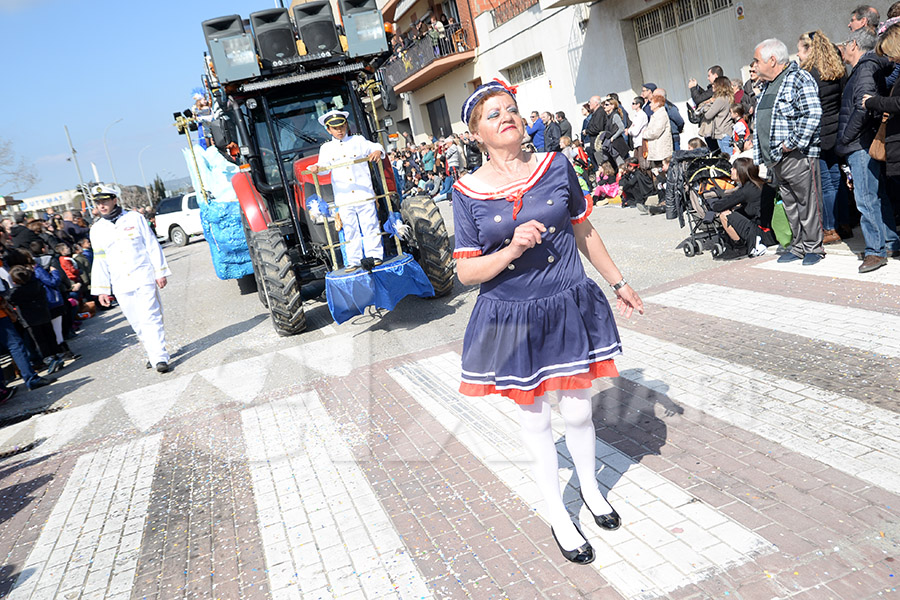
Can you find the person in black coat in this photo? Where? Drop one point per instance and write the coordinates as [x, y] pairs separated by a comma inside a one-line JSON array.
[[700, 94], [551, 133], [30, 300], [856, 130], [739, 212], [820, 57], [474, 157], [889, 46], [565, 128], [21, 235], [595, 126]]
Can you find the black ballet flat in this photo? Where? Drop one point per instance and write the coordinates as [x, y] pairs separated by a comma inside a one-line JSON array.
[[609, 521], [582, 555]]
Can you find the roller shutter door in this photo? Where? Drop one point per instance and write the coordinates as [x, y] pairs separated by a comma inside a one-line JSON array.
[[682, 39]]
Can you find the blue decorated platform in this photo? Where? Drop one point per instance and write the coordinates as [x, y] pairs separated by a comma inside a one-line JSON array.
[[349, 294]]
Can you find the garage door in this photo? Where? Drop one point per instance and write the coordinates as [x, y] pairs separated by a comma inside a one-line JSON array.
[[682, 39]]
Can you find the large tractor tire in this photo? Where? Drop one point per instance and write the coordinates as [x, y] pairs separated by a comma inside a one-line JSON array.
[[430, 244], [260, 288], [277, 281]]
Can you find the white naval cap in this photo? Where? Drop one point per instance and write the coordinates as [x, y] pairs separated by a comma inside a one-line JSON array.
[[334, 118], [102, 189]]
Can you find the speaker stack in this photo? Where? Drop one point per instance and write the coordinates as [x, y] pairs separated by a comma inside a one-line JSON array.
[[274, 36]]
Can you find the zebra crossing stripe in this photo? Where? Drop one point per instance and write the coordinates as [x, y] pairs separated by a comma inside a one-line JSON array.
[[854, 437], [91, 541], [841, 325], [841, 266], [323, 530], [669, 539]]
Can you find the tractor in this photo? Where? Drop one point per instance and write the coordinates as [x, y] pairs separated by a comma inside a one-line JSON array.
[[269, 86]]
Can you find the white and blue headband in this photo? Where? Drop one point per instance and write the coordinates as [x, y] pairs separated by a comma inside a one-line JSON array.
[[483, 90]]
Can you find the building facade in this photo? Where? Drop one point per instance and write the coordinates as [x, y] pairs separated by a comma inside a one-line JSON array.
[[562, 52]]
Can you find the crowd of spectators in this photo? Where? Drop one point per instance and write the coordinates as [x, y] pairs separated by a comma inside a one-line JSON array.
[[443, 33], [817, 154], [813, 148], [432, 168], [44, 292]]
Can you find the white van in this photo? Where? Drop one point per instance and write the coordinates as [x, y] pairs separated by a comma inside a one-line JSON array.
[[178, 218]]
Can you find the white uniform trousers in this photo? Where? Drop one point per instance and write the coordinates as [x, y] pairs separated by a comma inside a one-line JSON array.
[[361, 232], [143, 309]]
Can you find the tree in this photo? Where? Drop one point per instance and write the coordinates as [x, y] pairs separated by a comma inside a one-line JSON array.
[[16, 176], [157, 189]]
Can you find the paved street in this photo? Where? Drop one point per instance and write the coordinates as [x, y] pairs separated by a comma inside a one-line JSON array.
[[751, 445]]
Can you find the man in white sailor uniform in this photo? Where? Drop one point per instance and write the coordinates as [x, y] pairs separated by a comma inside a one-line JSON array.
[[352, 187], [129, 262]]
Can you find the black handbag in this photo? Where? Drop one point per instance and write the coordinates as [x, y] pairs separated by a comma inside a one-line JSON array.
[[693, 116]]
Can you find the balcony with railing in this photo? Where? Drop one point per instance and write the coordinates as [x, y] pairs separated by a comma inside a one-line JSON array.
[[506, 11], [421, 61]]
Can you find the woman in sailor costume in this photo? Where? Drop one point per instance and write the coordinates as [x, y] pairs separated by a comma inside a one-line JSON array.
[[540, 324]]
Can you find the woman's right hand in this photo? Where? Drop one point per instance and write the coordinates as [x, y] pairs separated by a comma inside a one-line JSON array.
[[527, 235], [865, 99]]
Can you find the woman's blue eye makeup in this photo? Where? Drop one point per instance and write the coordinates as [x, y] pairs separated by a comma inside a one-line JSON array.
[[493, 114], [513, 109]]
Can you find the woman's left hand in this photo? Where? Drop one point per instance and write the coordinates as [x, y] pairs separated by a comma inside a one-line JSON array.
[[627, 301], [865, 99]]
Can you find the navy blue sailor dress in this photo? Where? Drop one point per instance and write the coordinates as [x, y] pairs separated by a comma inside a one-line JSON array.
[[540, 325]]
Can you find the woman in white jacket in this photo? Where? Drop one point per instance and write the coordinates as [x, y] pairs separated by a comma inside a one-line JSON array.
[[639, 122]]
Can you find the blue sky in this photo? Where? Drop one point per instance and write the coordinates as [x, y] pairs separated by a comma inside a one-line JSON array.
[[89, 62]]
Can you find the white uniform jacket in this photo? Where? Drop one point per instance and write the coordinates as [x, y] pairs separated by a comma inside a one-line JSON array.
[[126, 255], [354, 183]]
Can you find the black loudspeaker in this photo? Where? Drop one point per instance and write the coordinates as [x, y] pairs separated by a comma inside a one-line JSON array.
[[223, 132], [274, 35], [222, 27], [315, 25], [388, 97]]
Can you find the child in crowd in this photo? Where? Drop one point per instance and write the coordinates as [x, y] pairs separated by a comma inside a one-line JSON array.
[[636, 186], [29, 298], [659, 186], [68, 264], [607, 185], [740, 129], [82, 257], [696, 143], [570, 151]]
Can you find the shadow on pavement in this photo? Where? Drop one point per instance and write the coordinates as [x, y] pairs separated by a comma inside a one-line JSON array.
[[18, 497], [625, 418], [412, 311], [208, 341]]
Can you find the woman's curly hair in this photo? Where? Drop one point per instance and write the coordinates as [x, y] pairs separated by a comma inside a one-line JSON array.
[[823, 56]]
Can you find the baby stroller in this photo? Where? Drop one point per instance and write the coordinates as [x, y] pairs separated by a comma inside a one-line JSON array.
[[703, 178]]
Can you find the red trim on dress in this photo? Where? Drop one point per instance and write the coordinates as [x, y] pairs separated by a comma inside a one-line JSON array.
[[466, 253], [589, 203], [581, 381], [502, 192]]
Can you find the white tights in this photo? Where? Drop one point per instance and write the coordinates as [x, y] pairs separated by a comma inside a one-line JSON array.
[[581, 440]]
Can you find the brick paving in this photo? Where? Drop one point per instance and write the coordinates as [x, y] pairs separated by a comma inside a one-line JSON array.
[[746, 462]]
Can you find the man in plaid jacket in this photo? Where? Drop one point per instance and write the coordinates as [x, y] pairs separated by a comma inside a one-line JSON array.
[[786, 140]]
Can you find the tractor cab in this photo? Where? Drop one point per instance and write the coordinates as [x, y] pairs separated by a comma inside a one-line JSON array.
[[270, 86]]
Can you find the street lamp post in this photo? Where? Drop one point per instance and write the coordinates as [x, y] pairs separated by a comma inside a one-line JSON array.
[[143, 177], [106, 147]]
